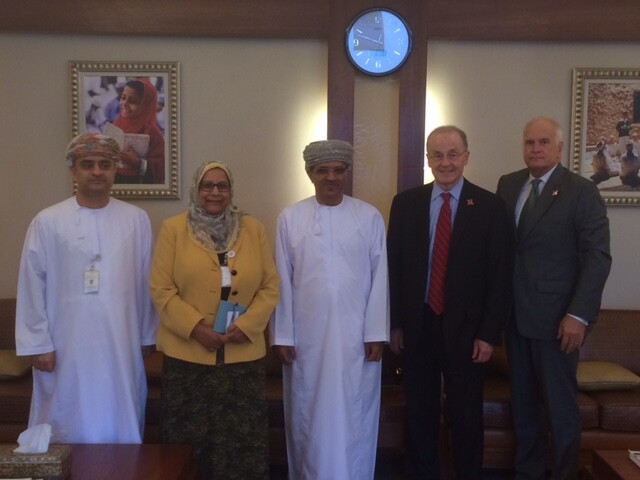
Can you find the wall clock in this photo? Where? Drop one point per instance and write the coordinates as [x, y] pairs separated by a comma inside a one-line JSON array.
[[378, 41]]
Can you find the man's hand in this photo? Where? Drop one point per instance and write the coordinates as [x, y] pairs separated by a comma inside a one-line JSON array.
[[373, 351], [481, 351], [45, 361], [285, 353], [397, 341], [571, 334]]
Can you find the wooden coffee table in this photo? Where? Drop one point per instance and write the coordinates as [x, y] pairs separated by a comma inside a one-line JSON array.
[[613, 465], [132, 462]]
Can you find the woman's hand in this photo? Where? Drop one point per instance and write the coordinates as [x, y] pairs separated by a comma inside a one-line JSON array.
[[235, 335], [205, 336]]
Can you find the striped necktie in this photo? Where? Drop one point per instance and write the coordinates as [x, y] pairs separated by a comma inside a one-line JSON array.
[[440, 256]]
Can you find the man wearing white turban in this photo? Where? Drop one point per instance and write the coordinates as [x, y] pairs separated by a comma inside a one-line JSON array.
[[331, 323]]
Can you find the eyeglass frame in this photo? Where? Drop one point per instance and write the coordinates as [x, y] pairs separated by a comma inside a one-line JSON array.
[[209, 187], [451, 155]]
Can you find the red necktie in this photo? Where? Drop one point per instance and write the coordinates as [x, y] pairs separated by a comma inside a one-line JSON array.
[[440, 256]]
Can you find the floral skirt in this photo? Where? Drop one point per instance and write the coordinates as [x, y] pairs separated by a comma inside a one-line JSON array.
[[221, 411]]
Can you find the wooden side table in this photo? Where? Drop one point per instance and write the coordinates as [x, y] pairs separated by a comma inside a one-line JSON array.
[[132, 462], [612, 465]]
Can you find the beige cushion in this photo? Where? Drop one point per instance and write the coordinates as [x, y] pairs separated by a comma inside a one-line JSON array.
[[605, 376], [12, 366]]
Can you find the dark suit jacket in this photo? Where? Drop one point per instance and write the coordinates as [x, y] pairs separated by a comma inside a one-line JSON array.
[[478, 282], [562, 258]]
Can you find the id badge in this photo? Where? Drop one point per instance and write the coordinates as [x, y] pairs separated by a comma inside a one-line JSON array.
[[226, 276], [91, 280]]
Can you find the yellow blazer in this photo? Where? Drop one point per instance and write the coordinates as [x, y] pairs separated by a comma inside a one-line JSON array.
[[186, 284]]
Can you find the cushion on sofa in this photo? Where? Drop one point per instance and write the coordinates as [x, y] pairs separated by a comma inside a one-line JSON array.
[[12, 366], [496, 405], [497, 410], [605, 376], [589, 413], [619, 410], [614, 338]]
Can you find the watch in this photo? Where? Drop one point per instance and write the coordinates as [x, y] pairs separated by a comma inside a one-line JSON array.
[[378, 41]]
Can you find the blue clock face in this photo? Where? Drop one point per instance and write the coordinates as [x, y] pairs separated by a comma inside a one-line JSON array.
[[378, 42]]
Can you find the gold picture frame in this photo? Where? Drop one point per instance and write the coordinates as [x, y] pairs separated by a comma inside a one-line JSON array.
[[96, 88], [606, 131]]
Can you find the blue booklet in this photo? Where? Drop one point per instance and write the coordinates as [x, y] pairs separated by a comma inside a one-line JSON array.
[[227, 314]]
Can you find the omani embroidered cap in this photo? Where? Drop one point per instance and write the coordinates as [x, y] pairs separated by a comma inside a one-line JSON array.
[[324, 151], [87, 144]]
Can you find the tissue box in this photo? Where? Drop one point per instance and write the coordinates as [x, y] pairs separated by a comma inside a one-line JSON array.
[[53, 465]]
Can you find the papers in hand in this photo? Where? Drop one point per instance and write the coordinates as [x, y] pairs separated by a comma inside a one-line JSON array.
[[138, 141], [634, 455], [227, 314]]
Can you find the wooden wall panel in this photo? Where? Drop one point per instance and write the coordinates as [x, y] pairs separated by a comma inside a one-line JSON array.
[[547, 20], [413, 92], [188, 18], [505, 20]]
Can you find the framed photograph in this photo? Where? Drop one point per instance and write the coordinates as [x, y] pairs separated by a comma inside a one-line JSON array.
[[137, 104], [606, 131]]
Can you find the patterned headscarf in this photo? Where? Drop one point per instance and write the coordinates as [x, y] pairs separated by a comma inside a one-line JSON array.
[[92, 144], [327, 151], [214, 232]]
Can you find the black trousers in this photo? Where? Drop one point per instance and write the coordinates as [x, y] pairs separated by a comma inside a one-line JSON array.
[[429, 367]]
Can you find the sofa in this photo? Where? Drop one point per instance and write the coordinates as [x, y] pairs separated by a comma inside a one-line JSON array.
[[610, 406], [609, 396]]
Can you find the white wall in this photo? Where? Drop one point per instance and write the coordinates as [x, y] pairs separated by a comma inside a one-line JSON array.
[[251, 104], [490, 90], [255, 104]]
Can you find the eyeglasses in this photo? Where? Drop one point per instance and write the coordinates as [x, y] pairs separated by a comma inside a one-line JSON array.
[[89, 165], [324, 171], [452, 155], [223, 187]]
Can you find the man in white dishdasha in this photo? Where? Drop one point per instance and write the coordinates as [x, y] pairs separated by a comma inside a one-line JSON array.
[[332, 321], [84, 312]]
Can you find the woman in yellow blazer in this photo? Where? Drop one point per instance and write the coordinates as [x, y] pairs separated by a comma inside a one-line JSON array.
[[214, 262]]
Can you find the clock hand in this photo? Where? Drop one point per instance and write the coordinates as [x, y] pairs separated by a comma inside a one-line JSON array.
[[380, 42]]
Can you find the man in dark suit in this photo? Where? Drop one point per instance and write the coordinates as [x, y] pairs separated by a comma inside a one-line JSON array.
[[452, 334], [561, 264]]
